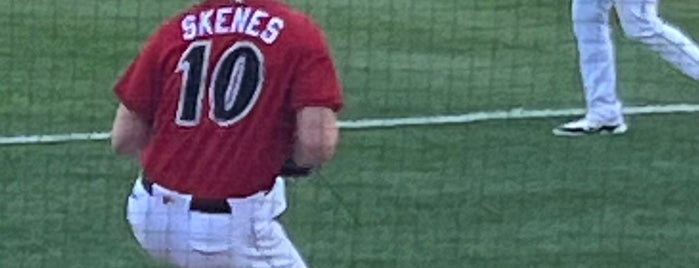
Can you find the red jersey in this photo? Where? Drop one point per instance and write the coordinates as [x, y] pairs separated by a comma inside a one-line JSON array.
[[221, 84]]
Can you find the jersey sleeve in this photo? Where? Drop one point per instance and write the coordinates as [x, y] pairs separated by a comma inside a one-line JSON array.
[[316, 82], [138, 87]]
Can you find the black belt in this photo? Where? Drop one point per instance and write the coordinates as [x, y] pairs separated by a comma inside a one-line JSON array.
[[213, 206]]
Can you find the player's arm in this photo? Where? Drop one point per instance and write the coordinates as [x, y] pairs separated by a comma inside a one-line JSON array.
[[317, 136], [316, 96], [137, 91], [130, 133]]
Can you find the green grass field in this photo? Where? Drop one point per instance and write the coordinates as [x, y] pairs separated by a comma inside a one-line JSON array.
[[490, 194]]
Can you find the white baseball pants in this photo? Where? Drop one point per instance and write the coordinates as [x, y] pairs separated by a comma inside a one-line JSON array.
[[639, 20], [248, 237]]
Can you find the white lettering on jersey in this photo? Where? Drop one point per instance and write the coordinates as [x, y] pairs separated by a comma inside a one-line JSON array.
[[221, 17], [254, 22], [205, 23], [189, 27], [274, 28], [242, 14], [227, 20]]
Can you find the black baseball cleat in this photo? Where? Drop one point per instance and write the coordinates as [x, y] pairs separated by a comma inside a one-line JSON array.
[[585, 127]]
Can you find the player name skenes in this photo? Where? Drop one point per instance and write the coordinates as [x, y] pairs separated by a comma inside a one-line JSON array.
[[229, 20]]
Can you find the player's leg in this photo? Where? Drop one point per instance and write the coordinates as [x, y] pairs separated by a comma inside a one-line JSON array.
[[157, 223], [275, 247], [137, 211], [597, 68], [248, 237], [640, 21], [215, 240]]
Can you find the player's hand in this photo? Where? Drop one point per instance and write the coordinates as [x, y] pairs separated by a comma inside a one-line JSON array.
[[292, 170]]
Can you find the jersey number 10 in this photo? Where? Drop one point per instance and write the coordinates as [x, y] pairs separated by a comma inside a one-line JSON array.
[[235, 85]]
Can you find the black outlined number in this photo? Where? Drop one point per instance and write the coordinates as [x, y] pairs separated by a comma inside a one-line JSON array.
[[233, 90], [193, 66]]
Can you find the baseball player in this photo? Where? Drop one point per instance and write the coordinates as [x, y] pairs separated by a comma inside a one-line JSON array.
[[223, 101], [639, 20]]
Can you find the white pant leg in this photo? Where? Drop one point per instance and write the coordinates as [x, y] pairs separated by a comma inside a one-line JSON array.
[[249, 237], [640, 21], [597, 61], [270, 239], [159, 224]]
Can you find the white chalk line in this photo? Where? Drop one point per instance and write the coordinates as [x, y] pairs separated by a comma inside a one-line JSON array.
[[394, 122]]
